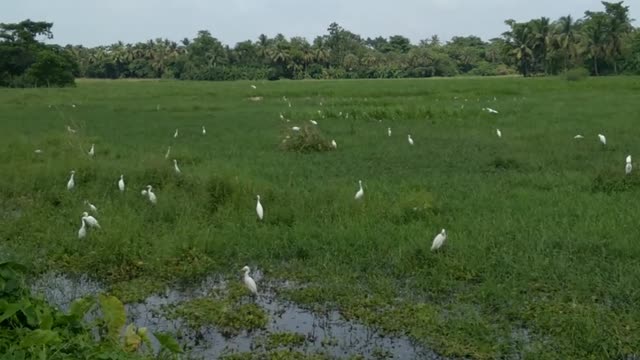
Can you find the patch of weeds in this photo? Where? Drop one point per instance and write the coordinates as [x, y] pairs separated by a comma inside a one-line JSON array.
[[284, 339], [503, 164], [609, 183], [414, 206], [229, 318], [219, 191], [308, 139], [136, 290]]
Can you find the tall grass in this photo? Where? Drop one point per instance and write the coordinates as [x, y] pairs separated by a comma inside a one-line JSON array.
[[542, 254]]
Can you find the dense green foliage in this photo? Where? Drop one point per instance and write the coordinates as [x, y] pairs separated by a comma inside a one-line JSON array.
[[26, 62], [603, 42], [542, 255], [31, 329]]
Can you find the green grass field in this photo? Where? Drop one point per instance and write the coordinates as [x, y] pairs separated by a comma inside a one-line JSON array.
[[542, 258]]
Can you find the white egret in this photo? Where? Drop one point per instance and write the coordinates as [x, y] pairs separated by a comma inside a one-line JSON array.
[[281, 116], [313, 122], [249, 282], [82, 233], [410, 139], [121, 183], [499, 133], [71, 183], [175, 166], [150, 194], [254, 87], [295, 128], [578, 137], [492, 110], [259, 209], [602, 139], [91, 206], [90, 220], [38, 151], [204, 131], [69, 129], [360, 192], [389, 132], [438, 241], [628, 168], [334, 144], [289, 103], [166, 156], [629, 159], [93, 150], [175, 135]]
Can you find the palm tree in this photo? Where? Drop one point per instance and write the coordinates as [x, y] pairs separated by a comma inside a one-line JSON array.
[[595, 31], [520, 41], [567, 38]]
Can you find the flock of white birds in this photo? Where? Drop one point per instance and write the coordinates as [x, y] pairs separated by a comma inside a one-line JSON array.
[[88, 221]]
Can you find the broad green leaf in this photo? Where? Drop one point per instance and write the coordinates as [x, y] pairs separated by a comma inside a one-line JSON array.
[[168, 342], [132, 340], [114, 315], [80, 307], [144, 335], [10, 310], [39, 338]]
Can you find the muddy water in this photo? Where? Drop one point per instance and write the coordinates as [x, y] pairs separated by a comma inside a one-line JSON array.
[[326, 333]]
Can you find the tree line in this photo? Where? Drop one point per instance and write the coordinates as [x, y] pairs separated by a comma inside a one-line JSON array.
[[601, 42]]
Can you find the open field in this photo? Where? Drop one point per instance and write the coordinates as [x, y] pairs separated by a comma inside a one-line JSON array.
[[542, 258]]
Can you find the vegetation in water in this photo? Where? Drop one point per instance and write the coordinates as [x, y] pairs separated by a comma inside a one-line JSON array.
[[32, 329]]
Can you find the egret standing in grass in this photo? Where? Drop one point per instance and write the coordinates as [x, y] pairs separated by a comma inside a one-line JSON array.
[[254, 87], [438, 241], [410, 139], [71, 183], [603, 139], [389, 132], [90, 220], [82, 233], [334, 144], [204, 131], [175, 135], [629, 167], [249, 282], [360, 192], [91, 206], [259, 209], [499, 133], [150, 195], [166, 156], [313, 122], [578, 137], [121, 183], [93, 150], [175, 166], [69, 129], [295, 128]]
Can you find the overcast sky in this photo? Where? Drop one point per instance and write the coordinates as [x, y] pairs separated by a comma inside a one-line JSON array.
[[98, 22]]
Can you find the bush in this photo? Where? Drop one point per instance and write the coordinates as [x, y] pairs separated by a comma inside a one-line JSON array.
[[576, 74], [51, 69], [308, 139]]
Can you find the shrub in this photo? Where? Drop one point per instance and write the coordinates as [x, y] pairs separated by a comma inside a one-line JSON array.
[[576, 74], [308, 139]]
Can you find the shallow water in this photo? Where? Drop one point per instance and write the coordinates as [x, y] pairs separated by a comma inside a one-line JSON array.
[[326, 333]]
